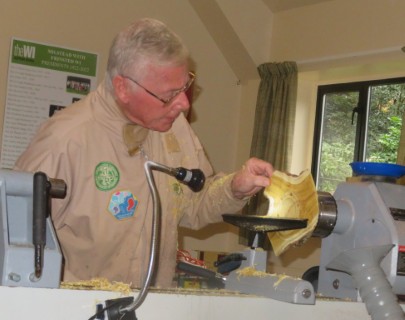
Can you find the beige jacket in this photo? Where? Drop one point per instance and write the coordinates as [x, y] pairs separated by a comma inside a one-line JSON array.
[[104, 223]]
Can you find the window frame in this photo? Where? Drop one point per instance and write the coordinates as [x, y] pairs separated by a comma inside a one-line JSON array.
[[363, 87]]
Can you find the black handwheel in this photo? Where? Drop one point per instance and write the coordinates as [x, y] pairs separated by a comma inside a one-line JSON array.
[[312, 276]]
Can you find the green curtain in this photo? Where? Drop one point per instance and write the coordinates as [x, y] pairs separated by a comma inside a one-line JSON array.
[[274, 124]]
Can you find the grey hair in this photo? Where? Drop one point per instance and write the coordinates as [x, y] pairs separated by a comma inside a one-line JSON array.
[[144, 42]]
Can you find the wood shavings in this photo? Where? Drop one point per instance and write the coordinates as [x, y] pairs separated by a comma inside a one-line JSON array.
[[218, 184], [320, 296], [252, 272], [198, 292], [281, 277], [102, 284]]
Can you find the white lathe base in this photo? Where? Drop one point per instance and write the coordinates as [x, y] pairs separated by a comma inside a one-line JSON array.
[[36, 303]]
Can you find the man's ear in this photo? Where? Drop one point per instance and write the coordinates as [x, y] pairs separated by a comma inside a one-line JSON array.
[[120, 89]]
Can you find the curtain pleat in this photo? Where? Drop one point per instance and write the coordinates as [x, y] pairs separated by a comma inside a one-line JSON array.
[[274, 124]]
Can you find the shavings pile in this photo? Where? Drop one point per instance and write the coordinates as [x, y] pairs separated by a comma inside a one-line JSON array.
[[252, 272], [102, 284]]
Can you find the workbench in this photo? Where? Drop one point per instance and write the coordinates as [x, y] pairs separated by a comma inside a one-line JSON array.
[[37, 303]]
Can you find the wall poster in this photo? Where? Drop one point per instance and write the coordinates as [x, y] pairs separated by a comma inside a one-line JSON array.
[[42, 79]]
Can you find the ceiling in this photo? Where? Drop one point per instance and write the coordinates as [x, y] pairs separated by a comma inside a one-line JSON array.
[[283, 5]]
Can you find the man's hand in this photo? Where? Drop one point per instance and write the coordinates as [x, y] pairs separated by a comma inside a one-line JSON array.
[[254, 175]]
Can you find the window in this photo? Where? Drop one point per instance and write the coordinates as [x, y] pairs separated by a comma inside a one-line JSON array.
[[359, 121]]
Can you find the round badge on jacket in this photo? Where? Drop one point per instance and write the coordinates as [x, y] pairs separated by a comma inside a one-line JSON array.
[[106, 176], [122, 204]]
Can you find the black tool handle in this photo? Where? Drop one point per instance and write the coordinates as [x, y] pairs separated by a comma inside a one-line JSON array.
[[229, 262], [193, 178], [43, 191], [229, 258], [198, 271], [40, 206]]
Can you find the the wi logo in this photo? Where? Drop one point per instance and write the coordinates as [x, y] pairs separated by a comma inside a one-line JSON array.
[[24, 51]]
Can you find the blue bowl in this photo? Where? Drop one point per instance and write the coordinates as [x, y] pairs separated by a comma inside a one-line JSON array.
[[377, 169]]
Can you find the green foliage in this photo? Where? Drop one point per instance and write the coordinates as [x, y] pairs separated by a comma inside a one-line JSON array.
[[385, 150], [334, 167]]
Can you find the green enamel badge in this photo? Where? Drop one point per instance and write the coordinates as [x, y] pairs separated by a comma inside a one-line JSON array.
[[106, 176]]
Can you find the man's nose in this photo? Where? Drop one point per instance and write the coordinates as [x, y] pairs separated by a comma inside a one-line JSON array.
[[181, 102]]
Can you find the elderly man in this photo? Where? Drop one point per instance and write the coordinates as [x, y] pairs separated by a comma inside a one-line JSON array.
[[99, 146]]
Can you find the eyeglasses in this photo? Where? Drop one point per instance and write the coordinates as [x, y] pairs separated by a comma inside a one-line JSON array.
[[174, 94]]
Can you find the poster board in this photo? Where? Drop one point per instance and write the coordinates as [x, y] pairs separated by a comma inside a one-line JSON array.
[[42, 79]]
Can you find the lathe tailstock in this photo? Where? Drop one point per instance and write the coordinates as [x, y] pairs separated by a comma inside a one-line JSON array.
[[30, 255]]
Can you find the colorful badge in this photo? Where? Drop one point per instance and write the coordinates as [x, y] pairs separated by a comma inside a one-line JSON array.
[[122, 204], [106, 176]]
